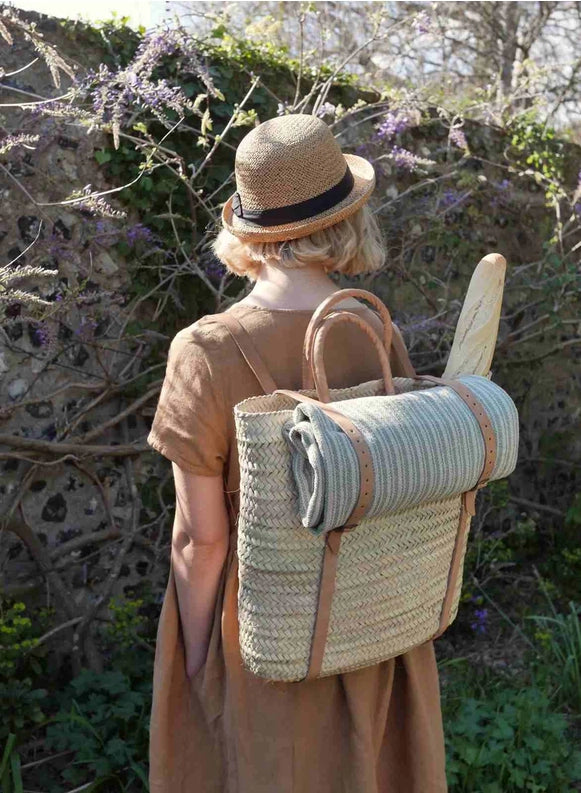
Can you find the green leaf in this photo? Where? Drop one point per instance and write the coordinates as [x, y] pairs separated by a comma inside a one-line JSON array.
[[206, 122], [102, 156]]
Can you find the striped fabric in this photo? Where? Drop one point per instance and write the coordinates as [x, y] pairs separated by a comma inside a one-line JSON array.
[[425, 445]]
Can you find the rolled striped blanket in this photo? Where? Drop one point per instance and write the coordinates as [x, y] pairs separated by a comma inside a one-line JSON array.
[[425, 445]]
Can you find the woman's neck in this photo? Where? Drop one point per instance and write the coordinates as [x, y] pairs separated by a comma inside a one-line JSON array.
[[285, 287]]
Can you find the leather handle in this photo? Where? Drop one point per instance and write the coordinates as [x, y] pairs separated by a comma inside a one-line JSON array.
[[319, 337], [324, 308]]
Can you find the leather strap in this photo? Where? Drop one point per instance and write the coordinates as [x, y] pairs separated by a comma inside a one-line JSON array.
[[333, 538], [401, 357], [366, 475], [468, 506], [467, 509], [325, 601], [246, 346], [482, 418]]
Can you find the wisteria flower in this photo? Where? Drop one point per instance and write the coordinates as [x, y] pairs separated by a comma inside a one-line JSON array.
[[458, 138], [41, 335], [450, 197], [422, 22], [86, 328], [326, 109], [139, 233], [214, 269], [20, 140], [94, 204], [114, 94], [393, 123], [407, 160]]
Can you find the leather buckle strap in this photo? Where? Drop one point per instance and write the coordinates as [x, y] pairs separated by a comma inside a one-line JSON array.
[[333, 537], [468, 503], [481, 416], [325, 601], [361, 447]]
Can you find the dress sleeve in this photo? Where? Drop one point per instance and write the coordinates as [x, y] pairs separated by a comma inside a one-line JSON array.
[[190, 423]]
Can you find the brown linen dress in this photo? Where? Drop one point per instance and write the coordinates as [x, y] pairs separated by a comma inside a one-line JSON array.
[[372, 730]]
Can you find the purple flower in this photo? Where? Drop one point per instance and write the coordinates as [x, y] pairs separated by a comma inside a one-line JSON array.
[[450, 197], [96, 205], [422, 22], [214, 269], [139, 232], [504, 194], [42, 335], [11, 141], [407, 160], [480, 622], [393, 124], [114, 95], [86, 329], [577, 208], [458, 138], [326, 109]]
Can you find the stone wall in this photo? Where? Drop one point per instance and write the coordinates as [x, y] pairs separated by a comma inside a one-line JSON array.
[[68, 512]]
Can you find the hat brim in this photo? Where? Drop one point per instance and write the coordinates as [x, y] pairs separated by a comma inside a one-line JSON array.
[[363, 185]]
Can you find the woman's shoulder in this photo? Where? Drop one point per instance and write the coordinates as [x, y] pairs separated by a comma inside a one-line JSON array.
[[207, 332], [205, 342]]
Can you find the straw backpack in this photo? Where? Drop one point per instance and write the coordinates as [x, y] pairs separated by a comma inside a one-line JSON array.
[[311, 605]]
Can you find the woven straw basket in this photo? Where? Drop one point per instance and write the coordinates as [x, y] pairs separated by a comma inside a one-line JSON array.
[[311, 606]]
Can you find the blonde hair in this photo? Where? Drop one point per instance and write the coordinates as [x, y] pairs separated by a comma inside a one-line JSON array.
[[351, 246]]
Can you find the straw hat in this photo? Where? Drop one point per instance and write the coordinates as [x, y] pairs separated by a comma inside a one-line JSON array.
[[293, 179]]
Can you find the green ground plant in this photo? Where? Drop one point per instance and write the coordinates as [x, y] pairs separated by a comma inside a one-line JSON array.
[[103, 721], [507, 741]]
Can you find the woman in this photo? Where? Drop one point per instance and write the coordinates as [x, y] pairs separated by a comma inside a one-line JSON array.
[[300, 212]]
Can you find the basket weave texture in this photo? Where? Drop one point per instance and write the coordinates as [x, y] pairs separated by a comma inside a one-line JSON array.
[[392, 570]]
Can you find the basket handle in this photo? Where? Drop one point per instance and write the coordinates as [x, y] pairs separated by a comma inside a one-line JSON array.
[[318, 364], [324, 308]]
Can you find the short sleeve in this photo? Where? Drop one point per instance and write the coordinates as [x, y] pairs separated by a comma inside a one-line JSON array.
[[190, 424]]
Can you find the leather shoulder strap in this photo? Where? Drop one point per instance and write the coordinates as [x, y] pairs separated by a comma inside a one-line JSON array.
[[248, 349], [400, 358]]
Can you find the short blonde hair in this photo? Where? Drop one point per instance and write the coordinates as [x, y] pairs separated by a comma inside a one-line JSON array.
[[352, 246]]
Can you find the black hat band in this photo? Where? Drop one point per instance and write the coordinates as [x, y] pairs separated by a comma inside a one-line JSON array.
[[300, 211]]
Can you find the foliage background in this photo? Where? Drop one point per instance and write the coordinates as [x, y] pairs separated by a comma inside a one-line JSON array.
[[113, 167]]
